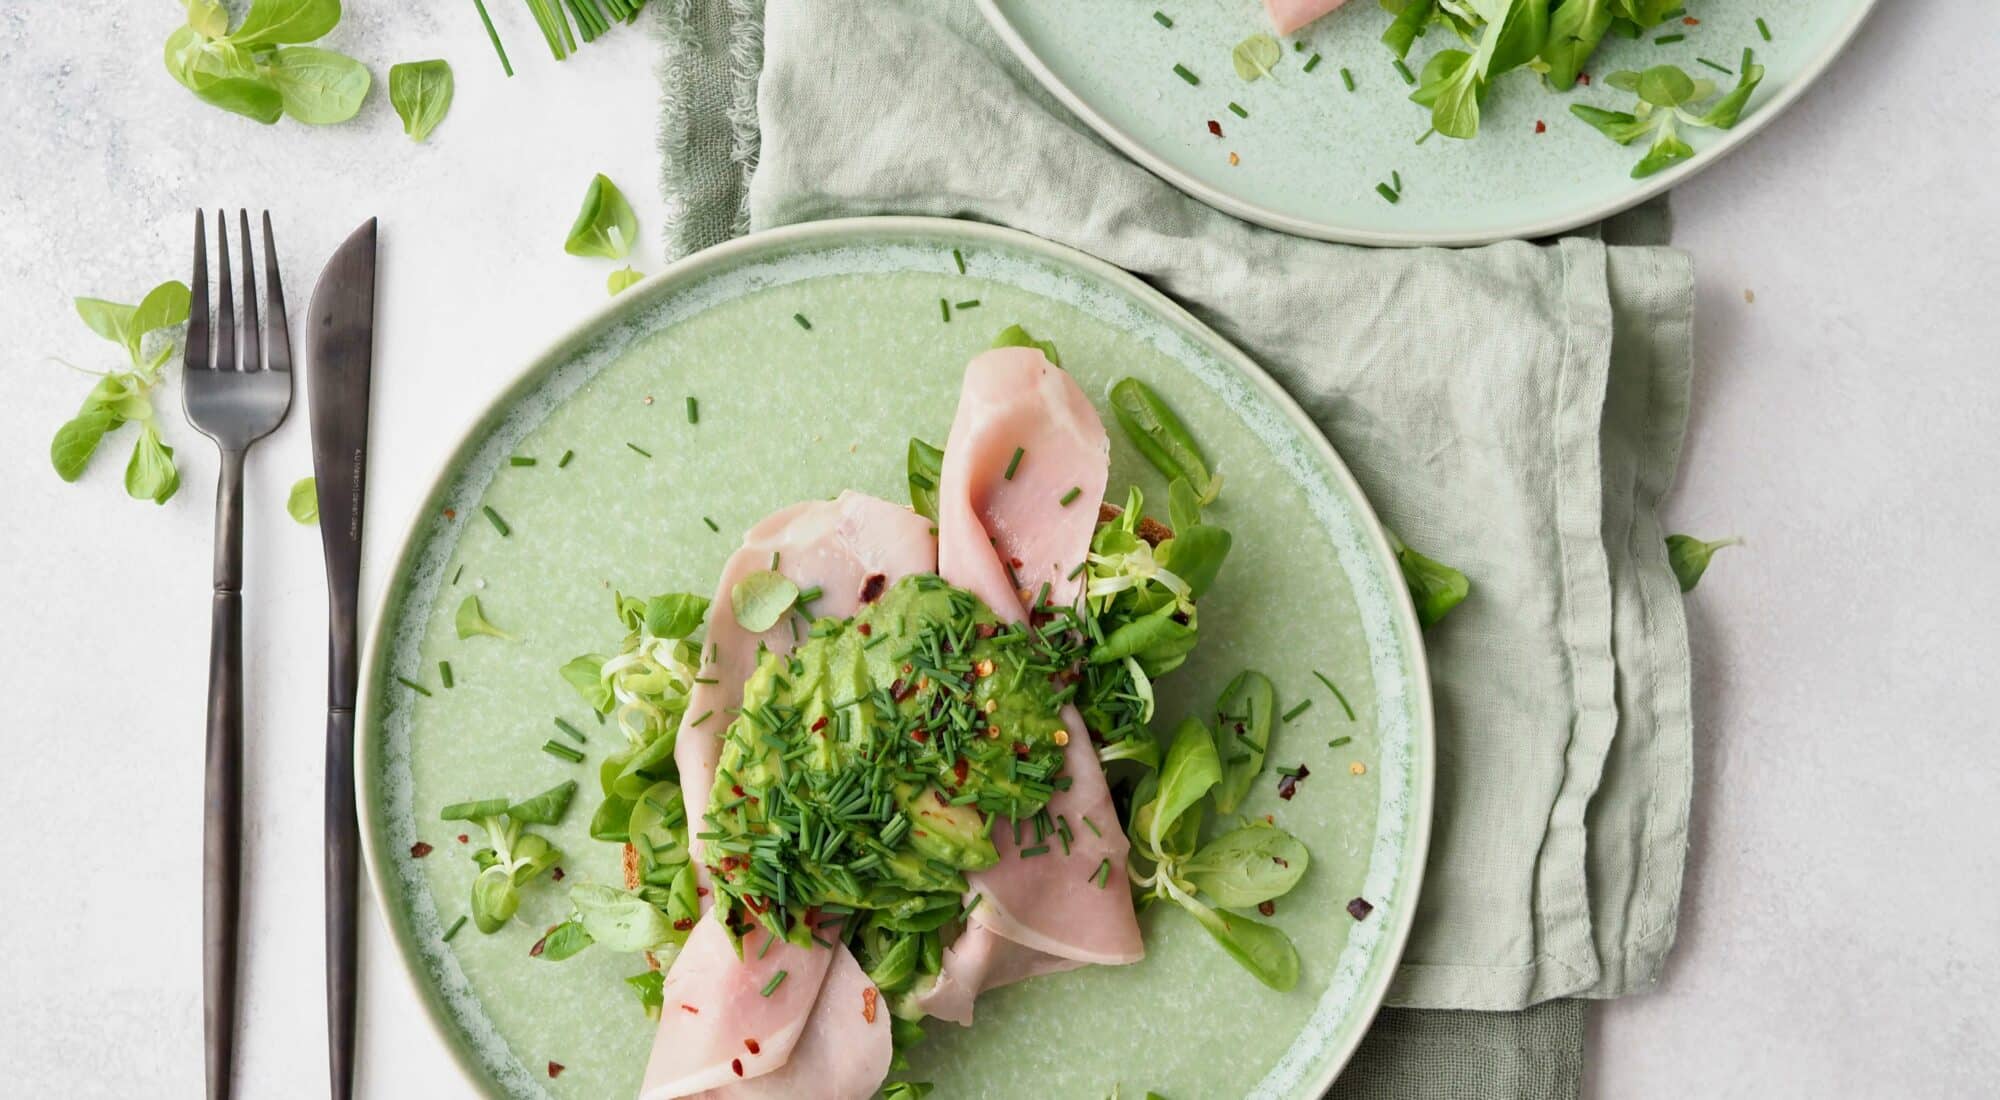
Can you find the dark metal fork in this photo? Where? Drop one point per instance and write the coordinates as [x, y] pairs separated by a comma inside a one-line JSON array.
[[235, 399]]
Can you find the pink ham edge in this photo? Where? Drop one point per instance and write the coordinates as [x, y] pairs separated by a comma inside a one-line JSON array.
[[843, 1055], [703, 1049], [1044, 914], [1290, 15], [836, 545]]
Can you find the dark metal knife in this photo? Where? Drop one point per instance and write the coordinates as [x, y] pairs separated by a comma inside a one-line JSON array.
[[340, 355]]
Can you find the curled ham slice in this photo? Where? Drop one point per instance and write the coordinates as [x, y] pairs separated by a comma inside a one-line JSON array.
[[845, 1051], [713, 1008], [1290, 15], [1014, 399]]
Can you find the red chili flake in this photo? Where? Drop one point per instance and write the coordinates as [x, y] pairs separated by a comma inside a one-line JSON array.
[[1541, 127], [755, 904], [451, 513], [688, 1008], [1215, 127], [900, 691], [557, 874], [1288, 783], [1359, 908], [939, 795], [736, 789], [555, 1070], [1691, 21], [419, 850], [701, 891], [462, 838], [1020, 748], [737, 1065], [919, 736], [751, 1046], [1584, 77], [865, 629], [868, 1004], [819, 723], [987, 630], [958, 770], [535, 952], [1268, 908], [1281, 861], [871, 589], [683, 924], [1015, 562]]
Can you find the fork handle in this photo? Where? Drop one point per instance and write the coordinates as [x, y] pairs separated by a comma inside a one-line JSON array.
[[222, 849]]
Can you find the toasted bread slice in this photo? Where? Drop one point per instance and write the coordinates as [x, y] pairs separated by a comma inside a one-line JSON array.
[[1150, 529], [631, 862]]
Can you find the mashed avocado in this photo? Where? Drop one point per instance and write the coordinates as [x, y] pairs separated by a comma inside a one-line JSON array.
[[865, 768]]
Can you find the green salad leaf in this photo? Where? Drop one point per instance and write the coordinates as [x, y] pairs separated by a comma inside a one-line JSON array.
[[125, 396], [924, 466], [761, 599], [621, 280], [471, 622], [263, 69], [421, 91], [1689, 557], [1014, 336], [618, 920], [302, 503], [1248, 866], [1160, 437], [1243, 715], [546, 808], [1668, 100], [605, 226], [1254, 56], [1434, 586]]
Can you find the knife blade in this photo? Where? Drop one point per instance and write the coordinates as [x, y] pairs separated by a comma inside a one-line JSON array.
[[340, 359]]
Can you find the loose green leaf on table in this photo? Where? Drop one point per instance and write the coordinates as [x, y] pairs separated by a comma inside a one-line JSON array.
[[421, 91], [263, 70], [150, 475], [620, 280], [319, 87], [303, 501], [1434, 586], [1689, 557], [286, 22], [471, 621], [605, 226]]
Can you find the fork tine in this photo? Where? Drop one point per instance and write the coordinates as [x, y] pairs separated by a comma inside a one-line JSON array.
[[195, 351], [253, 358], [225, 309], [277, 335]]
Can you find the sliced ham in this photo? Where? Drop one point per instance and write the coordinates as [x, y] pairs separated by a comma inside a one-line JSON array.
[[1015, 401], [713, 1011], [845, 1051], [835, 544], [1289, 15]]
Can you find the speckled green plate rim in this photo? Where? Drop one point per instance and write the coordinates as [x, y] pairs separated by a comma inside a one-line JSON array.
[[1640, 191], [1413, 799]]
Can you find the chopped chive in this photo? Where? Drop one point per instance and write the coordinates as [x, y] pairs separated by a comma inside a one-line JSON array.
[[1160, 17], [564, 460], [508, 67], [493, 517], [1396, 181], [414, 686], [1337, 694], [1403, 71], [944, 310], [711, 524], [706, 713], [1181, 71], [970, 906], [1426, 135], [520, 460], [572, 731], [1078, 571], [958, 258], [460, 922], [1240, 112], [1092, 825], [1717, 66], [1669, 39], [771, 986], [638, 448], [1074, 492], [1037, 850], [557, 748], [1014, 463], [1338, 741], [444, 673], [1304, 705], [694, 411], [1347, 78], [809, 595], [1103, 873], [1311, 63], [457, 573], [803, 323], [1386, 192], [969, 303], [1763, 28]]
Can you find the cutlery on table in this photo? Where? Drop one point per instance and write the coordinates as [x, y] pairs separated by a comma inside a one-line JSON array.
[[235, 397], [340, 341]]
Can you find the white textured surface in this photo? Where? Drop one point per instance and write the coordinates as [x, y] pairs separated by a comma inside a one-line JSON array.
[[1838, 930]]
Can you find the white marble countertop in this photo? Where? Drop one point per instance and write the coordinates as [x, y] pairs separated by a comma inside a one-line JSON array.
[[1838, 930]]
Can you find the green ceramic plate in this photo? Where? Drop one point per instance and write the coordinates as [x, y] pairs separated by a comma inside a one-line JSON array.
[[788, 413], [1311, 153]]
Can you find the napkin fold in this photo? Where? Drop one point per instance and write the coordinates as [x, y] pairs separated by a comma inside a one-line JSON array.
[[1514, 410]]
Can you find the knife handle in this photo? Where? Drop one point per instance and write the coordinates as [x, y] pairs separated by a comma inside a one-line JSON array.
[[222, 829], [343, 844]]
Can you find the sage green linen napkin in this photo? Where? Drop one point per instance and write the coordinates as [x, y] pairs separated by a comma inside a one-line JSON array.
[[1515, 410]]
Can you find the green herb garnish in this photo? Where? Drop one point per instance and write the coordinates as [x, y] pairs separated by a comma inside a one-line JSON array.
[[444, 674], [493, 517], [557, 748], [638, 449], [1074, 492], [1238, 111], [1013, 464], [1667, 96], [471, 622], [1763, 28], [924, 469], [1299, 708], [771, 986], [1160, 17], [421, 93], [414, 686], [494, 36], [125, 397], [761, 599], [1435, 586], [621, 280], [803, 323], [1254, 56], [1184, 73], [1337, 693], [1387, 192], [564, 460], [1161, 438]]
